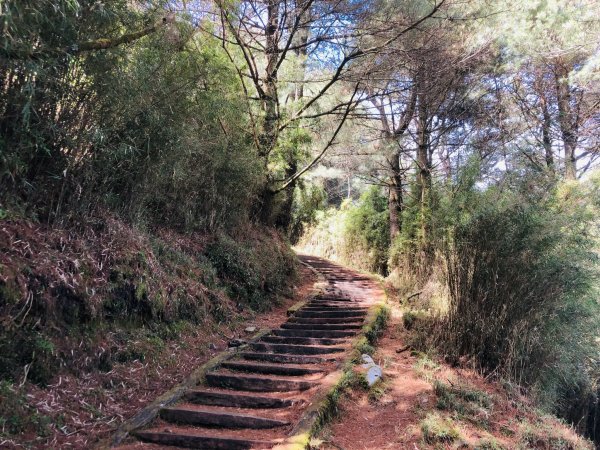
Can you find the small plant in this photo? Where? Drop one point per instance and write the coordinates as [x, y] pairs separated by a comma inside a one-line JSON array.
[[411, 317], [377, 391], [425, 367], [16, 416], [467, 403], [363, 347], [488, 444], [437, 429]]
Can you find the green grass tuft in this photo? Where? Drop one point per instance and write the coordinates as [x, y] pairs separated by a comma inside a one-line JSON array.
[[436, 430]]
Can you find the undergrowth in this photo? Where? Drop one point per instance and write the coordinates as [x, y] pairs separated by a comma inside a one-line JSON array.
[[464, 402], [109, 286], [437, 429]]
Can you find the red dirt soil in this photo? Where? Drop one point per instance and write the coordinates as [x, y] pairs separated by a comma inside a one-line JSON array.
[[393, 420]]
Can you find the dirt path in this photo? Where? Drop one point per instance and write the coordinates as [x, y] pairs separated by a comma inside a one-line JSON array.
[[391, 420], [259, 397], [424, 404]]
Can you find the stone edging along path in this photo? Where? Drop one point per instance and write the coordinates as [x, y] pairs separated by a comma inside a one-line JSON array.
[[275, 391]]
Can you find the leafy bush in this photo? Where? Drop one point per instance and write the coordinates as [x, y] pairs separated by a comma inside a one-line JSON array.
[[154, 130], [520, 275], [464, 402], [309, 199], [253, 270], [356, 234], [16, 416], [368, 231]]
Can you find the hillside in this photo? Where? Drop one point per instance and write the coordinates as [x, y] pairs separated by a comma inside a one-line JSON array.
[[99, 319], [424, 403]]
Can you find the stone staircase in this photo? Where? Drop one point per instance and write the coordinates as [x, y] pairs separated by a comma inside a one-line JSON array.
[[252, 401]]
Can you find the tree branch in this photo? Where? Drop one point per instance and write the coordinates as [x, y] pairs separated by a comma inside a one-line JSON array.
[[329, 144], [87, 46]]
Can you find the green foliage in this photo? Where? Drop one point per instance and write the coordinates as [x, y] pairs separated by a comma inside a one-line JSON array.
[[356, 234], [368, 229], [27, 354], [16, 416], [425, 367], [374, 330], [169, 172], [522, 270], [309, 199], [154, 130], [437, 429], [464, 402], [543, 434], [412, 317], [253, 272]]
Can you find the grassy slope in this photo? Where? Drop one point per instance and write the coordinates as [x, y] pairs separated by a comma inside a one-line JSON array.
[[424, 403], [86, 308]]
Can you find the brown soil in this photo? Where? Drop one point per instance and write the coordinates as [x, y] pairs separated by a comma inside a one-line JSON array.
[[89, 408], [393, 419]]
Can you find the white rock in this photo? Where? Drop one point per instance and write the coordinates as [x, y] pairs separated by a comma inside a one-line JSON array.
[[367, 360], [250, 329], [374, 374]]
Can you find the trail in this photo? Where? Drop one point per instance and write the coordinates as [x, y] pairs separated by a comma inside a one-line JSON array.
[[266, 395]]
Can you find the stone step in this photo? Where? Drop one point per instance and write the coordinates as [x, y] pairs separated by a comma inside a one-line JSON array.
[[302, 340], [295, 349], [322, 326], [284, 358], [326, 320], [221, 419], [190, 440], [233, 399], [256, 383], [331, 298], [315, 333], [273, 369], [326, 307], [330, 314]]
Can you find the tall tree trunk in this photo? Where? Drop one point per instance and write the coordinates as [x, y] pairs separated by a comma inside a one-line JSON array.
[[546, 136], [395, 199], [269, 132], [540, 87], [268, 135], [423, 160], [389, 135], [566, 119], [284, 216]]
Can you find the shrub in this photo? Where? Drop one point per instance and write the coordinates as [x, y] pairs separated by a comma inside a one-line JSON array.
[[465, 402], [367, 232], [356, 234], [154, 130], [437, 429], [16, 416], [519, 273], [254, 270], [544, 435]]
